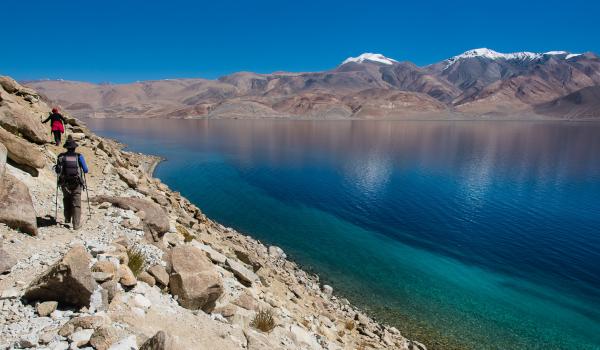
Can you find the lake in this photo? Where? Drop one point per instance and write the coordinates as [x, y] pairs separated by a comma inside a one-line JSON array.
[[463, 235]]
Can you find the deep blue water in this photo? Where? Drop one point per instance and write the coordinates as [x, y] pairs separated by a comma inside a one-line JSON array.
[[480, 235]]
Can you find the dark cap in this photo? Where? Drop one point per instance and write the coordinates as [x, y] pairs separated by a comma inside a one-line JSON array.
[[70, 143]]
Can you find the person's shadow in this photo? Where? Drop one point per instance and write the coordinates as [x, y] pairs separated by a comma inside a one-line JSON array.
[[48, 220]]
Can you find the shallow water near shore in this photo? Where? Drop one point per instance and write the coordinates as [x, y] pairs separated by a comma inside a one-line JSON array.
[[464, 235]]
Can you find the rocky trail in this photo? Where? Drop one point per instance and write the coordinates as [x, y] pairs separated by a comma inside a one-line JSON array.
[[147, 270]]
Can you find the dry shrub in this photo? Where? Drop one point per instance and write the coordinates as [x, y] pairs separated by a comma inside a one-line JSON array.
[[187, 236], [305, 322], [349, 325], [263, 321], [137, 261]]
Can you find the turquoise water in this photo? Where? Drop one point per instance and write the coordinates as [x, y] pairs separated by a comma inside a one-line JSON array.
[[477, 235]]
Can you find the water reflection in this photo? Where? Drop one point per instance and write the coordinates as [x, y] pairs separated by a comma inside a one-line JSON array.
[[514, 197], [550, 151]]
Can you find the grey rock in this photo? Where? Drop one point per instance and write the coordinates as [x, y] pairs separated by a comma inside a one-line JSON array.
[[244, 275], [130, 179], [154, 218], [101, 277], [194, 279], [147, 278], [160, 341], [6, 262], [160, 274], [46, 308], [16, 206], [25, 155], [213, 255], [103, 337], [83, 322], [69, 281], [28, 341], [17, 115], [126, 276]]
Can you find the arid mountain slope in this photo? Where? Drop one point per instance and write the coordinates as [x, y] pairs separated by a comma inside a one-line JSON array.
[[477, 83], [584, 103]]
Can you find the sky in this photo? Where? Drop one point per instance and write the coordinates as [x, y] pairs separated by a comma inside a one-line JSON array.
[[129, 40]]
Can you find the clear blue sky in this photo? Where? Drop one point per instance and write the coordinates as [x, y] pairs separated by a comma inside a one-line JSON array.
[[128, 40]]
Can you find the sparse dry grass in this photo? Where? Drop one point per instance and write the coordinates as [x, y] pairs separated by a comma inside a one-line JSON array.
[[264, 321], [187, 236], [349, 325], [137, 261]]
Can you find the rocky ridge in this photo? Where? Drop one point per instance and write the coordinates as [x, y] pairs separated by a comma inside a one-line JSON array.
[[478, 84], [147, 269]]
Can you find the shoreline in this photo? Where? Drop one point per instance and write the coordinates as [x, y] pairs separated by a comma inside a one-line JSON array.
[[534, 118], [156, 160]]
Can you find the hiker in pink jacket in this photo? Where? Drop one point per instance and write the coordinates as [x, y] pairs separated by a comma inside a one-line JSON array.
[[57, 124]]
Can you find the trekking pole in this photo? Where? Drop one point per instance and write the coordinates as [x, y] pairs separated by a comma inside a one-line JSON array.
[[56, 204], [87, 194]]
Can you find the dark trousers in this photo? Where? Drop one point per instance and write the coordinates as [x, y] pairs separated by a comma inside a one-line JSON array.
[[57, 135], [72, 204]]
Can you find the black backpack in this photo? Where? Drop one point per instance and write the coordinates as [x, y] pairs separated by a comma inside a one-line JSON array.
[[68, 169]]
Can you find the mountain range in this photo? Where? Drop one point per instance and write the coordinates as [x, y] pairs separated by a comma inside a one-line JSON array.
[[479, 83]]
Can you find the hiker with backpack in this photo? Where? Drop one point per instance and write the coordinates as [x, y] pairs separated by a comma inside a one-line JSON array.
[[70, 168], [57, 124]]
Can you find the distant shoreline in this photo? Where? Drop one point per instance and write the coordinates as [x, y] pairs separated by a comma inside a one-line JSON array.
[[535, 118]]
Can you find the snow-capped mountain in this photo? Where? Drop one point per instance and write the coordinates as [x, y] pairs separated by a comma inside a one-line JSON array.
[[476, 82], [521, 56], [373, 57]]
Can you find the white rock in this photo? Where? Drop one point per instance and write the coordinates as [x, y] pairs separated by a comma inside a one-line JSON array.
[[10, 293], [81, 337], [47, 338], [58, 345], [213, 255], [138, 311], [56, 315], [218, 317], [276, 253], [142, 301], [28, 341], [128, 343], [303, 338], [328, 290]]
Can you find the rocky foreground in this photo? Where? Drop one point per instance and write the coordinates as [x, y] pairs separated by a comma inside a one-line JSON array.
[[147, 270]]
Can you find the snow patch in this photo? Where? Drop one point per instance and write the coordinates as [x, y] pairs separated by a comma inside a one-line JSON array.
[[554, 53], [494, 55], [488, 53], [373, 57]]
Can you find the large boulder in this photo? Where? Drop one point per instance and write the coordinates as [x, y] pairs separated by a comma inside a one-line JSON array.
[[24, 154], [3, 155], [20, 111], [194, 279], [154, 218], [69, 281], [130, 179], [16, 207]]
